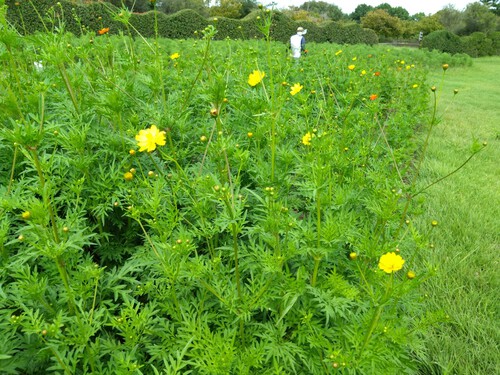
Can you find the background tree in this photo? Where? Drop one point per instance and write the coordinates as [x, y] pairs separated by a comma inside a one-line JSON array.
[[452, 19], [360, 11], [418, 16], [493, 5], [477, 17], [227, 8], [383, 23], [323, 9], [429, 24], [247, 6], [398, 12]]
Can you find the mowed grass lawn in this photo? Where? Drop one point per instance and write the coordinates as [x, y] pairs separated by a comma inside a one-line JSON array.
[[466, 243]]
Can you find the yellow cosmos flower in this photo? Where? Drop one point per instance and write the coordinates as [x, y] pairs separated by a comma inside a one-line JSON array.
[[306, 139], [148, 139], [255, 77], [351, 67], [391, 262], [296, 88], [363, 72], [174, 56]]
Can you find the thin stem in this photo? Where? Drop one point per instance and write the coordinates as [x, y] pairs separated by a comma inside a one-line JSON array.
[[67, 83], [42, 111], [94, 299], [448, 175], [14, 159]]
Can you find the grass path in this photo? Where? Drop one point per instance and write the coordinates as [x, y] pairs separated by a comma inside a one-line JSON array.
[[467, 206]]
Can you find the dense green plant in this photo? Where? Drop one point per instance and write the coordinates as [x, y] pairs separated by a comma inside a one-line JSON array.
[[209, 207]]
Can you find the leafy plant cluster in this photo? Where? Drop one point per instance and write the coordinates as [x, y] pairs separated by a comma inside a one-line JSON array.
[[29, 16], [245, 238]]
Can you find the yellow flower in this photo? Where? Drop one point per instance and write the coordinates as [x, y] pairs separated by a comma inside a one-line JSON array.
[[128, 176], [363, 72], [296, 88], [148, 139], [354, 58], [306, 139], [415, 86], [255, 77], [391, 262], [351, 67], [174, 56], [338, 52], [26, 215]]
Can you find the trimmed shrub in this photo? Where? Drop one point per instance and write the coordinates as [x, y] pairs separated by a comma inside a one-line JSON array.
[[444, 41], [478, 44], [495, 42]]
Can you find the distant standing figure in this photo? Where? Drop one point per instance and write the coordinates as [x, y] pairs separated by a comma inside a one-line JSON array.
[[298, 42]]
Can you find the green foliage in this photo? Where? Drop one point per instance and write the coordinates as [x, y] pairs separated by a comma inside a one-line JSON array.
[[245, 240]]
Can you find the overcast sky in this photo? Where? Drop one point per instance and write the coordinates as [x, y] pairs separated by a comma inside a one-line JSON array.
[[412, 6]]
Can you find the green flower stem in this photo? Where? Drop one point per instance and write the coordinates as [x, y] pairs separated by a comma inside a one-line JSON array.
[[14, 72], [376, 315], [317, 258], [409, 196], [373, 324], [234, 230], [317, 261], [14, 160], [42, 110], [94, 299], [213, 291], [67, 83]]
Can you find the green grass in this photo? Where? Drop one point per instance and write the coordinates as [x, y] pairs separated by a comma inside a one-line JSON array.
[[466, 242]]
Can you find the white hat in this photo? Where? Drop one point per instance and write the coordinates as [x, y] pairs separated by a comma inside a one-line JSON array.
[[301, 30]]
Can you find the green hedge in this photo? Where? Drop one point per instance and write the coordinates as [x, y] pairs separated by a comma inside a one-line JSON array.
[[475, 45], [78, 19]]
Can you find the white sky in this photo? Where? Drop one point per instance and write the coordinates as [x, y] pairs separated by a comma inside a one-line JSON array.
[[412, 6]]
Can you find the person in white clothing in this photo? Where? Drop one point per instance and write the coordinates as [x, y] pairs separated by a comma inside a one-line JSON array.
[[298, 42]]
